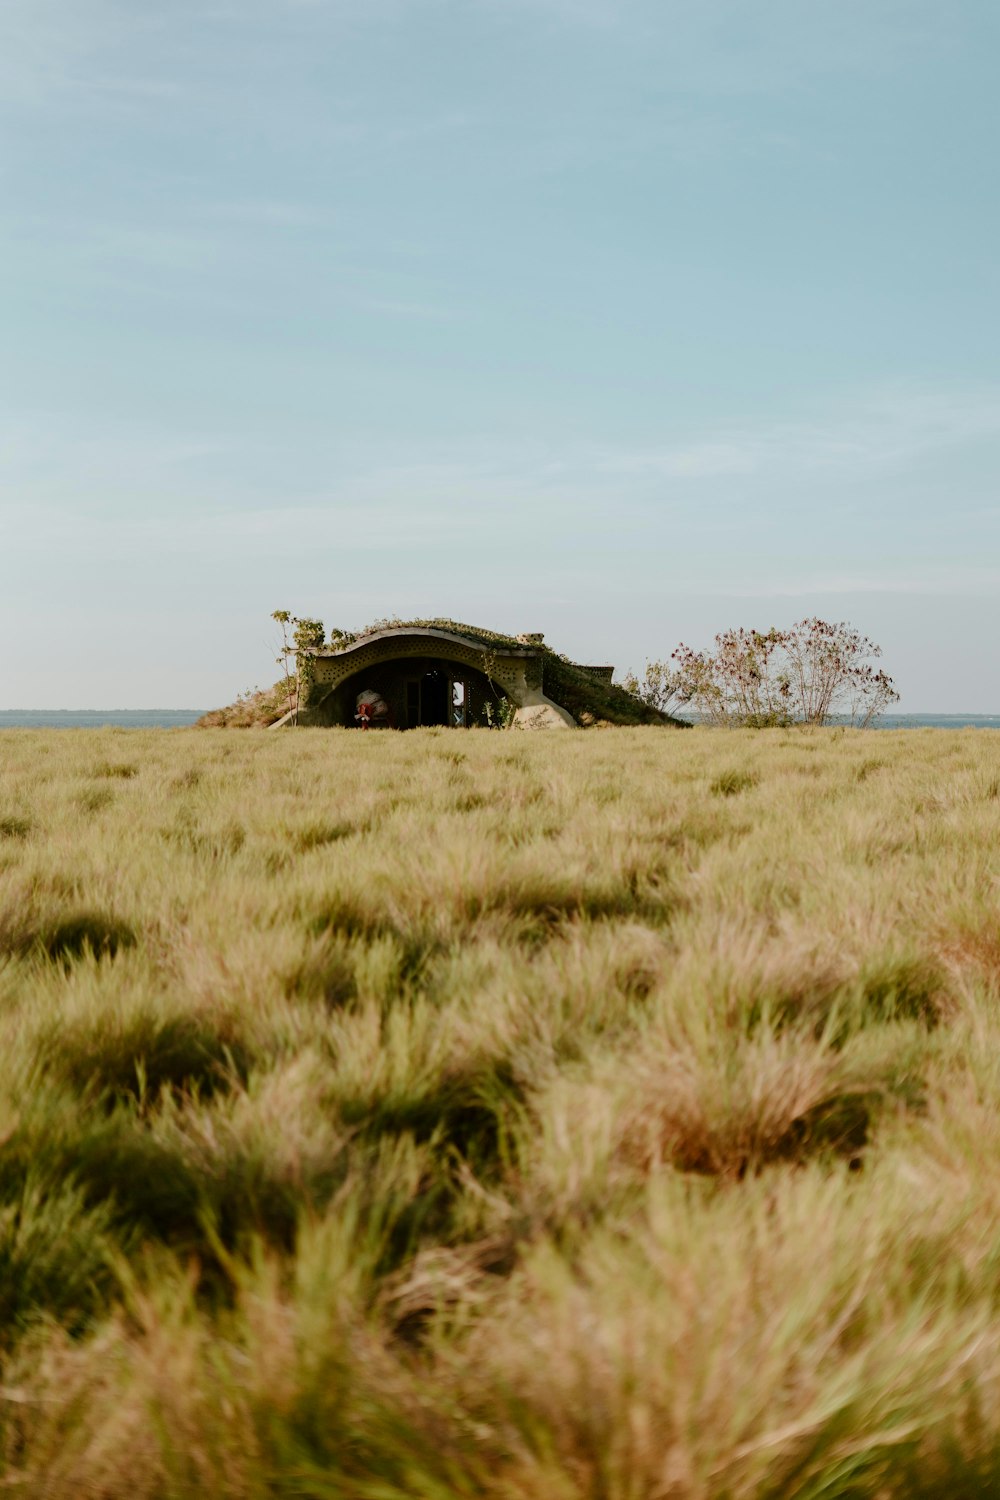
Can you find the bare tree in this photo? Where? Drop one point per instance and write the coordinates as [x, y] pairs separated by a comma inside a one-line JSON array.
[[807, 674], [830, 672], [658, 688]]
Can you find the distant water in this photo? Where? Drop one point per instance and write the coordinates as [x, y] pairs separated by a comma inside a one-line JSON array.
[[938, 721], [98, 718], [180, 718], [928, 721]]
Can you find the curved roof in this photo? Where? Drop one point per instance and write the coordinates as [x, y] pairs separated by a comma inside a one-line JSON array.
[[454, 637]]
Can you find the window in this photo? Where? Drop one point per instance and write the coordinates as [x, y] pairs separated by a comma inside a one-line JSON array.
[[459, 705]]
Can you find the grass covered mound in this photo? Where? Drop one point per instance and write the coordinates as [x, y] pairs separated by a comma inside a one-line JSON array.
[[586, 697], [255, 709], [589, 700], [592, 701], [401, 1118]]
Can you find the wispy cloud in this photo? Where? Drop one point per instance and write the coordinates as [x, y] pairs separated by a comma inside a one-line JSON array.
[[930, 580], [123, 52], [63, 49], [884, 428], [723, 500]]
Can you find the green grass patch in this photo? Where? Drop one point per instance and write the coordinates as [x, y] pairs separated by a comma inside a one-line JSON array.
[[13, 827], [731, 783]]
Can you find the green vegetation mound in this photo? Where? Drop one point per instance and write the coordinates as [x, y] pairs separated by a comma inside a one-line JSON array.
[[255, 709], [591, 700]]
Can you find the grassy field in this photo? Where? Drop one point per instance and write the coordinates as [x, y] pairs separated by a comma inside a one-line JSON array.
[[599, 1116]]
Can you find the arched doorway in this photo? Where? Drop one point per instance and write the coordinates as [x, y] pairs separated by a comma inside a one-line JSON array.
[[414, 693]]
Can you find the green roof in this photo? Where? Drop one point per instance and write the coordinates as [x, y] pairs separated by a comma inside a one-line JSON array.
[[588, 698]]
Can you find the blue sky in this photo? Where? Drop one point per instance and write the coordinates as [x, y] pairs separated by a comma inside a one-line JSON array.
[[624, 321]]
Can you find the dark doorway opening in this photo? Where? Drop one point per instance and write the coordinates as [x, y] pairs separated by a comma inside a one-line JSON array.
[[404, 694], [427, 700]]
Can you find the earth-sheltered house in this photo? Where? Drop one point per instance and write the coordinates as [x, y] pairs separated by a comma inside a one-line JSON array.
[[436, 672]]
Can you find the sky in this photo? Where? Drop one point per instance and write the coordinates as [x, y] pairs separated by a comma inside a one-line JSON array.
[[623, 320]]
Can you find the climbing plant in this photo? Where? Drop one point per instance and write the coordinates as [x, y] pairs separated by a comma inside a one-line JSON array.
[[300, 635], [286, 655]]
